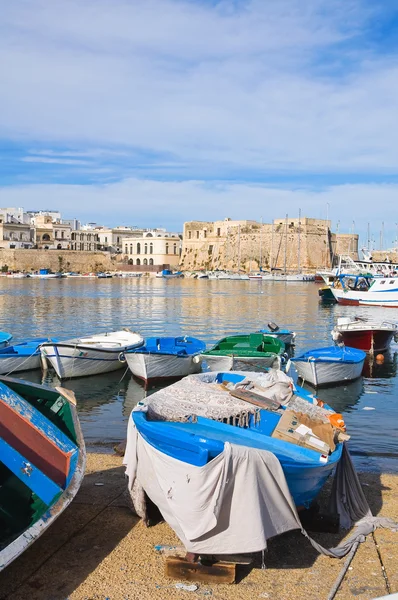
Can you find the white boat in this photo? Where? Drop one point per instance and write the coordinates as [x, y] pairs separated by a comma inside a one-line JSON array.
[[45, 274], [165, 358], [18, 275], [331, 365], [90, 355], [364, 290]]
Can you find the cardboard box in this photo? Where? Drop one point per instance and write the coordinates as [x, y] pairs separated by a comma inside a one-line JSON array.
[[286, 430]]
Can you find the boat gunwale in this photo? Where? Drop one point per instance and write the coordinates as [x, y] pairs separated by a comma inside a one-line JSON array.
[[30, 535]]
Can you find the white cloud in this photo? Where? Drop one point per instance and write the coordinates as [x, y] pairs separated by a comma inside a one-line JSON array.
[[260, 84]]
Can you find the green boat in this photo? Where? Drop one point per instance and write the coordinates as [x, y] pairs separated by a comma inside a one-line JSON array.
[[245, 352], [42, 460]]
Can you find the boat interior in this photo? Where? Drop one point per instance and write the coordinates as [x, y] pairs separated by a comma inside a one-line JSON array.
[[254, 342], [38, 450]]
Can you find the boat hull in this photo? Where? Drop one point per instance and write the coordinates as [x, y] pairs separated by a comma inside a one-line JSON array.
[[239, 363], [161, 366], [198, 443], [71, 361], [327, 373], [352, 298], [368, 341], [16, 364]]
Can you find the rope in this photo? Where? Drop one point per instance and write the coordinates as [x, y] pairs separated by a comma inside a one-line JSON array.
[[23, 362], [343, 571]]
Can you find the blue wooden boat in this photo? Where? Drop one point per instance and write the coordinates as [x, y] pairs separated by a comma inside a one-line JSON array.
[[165, 357], [168, 274], [330, 365], [24, 356], [284, 335], [5, 339], [42, 459], [201, 439]]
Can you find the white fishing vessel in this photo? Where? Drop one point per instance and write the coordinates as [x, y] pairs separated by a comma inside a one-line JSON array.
[[364, 290], [90, 355]]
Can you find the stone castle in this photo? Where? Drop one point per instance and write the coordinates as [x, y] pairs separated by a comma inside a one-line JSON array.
[[289, 244]]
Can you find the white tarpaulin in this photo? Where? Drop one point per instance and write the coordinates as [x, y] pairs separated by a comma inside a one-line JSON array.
[[232, 504], [237, 501]]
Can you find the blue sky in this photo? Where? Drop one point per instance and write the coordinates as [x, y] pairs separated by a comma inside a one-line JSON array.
[[154, 112]]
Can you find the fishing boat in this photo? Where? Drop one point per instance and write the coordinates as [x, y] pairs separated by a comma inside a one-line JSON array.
[[284, 335], [366, 290], [104, 276], [42, 461], [24, 356], [46, 274], [165, 357], [241, 352], [370, 336], [91, 355], [167, 274], [5, 339], [194, 420], [330, 365]]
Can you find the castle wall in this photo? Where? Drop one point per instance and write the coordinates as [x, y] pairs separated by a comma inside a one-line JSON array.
[[305, 245]]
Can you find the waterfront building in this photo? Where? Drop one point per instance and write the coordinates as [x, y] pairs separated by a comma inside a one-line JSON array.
[[293, 245], [154, 247], [111, 237], [14, 232], [85, 240], [33, 214]]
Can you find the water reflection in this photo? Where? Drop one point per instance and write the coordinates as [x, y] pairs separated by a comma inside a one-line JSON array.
[[342, 398], [207, 309]]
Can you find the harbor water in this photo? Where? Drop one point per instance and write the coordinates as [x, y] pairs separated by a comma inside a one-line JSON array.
[[209, 310]]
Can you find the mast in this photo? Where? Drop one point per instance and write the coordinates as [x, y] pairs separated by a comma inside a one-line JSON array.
[[261, 247], [284, 268], [369, 237], [298, 243], [238, 248], [272, 246]]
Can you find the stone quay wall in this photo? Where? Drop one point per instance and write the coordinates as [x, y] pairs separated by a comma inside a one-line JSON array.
[[56, 260], [308, 245]]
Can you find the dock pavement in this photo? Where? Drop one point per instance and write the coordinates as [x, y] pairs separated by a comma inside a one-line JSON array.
[[98, 550]]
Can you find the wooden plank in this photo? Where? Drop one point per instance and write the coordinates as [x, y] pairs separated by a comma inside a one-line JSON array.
[[180, 568], [30, 475], [256, 399]]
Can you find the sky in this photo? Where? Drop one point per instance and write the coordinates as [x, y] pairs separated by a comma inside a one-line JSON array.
[[156, 112]]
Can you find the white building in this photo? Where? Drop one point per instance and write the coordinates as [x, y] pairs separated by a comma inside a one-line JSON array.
[[153, 248]]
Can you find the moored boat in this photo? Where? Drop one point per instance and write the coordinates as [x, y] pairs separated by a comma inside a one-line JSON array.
[[42, 461], [168, 274], [5, 339], [91, 355], [366, 290], [367, 335], [330, 365], [24, 356], [284, 335], [197, 448], [165, 357], [245, 351]]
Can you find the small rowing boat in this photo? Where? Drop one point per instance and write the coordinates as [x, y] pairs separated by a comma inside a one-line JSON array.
[[42, 461], [90, 355], [331, 365], [242, 352], [25, 356], [165, 357]]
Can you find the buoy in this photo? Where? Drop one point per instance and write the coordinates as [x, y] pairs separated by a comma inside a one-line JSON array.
[[380, 358]]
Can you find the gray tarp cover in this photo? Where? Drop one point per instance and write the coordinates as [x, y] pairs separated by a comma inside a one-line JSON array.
[[237, 501]]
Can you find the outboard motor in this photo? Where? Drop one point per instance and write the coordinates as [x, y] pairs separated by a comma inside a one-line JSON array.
[[273, 326]]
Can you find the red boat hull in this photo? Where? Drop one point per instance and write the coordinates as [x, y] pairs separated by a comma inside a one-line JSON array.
[[376, 341]]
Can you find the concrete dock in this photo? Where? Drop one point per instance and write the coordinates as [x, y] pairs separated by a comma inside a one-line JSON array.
[[98, 549]]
